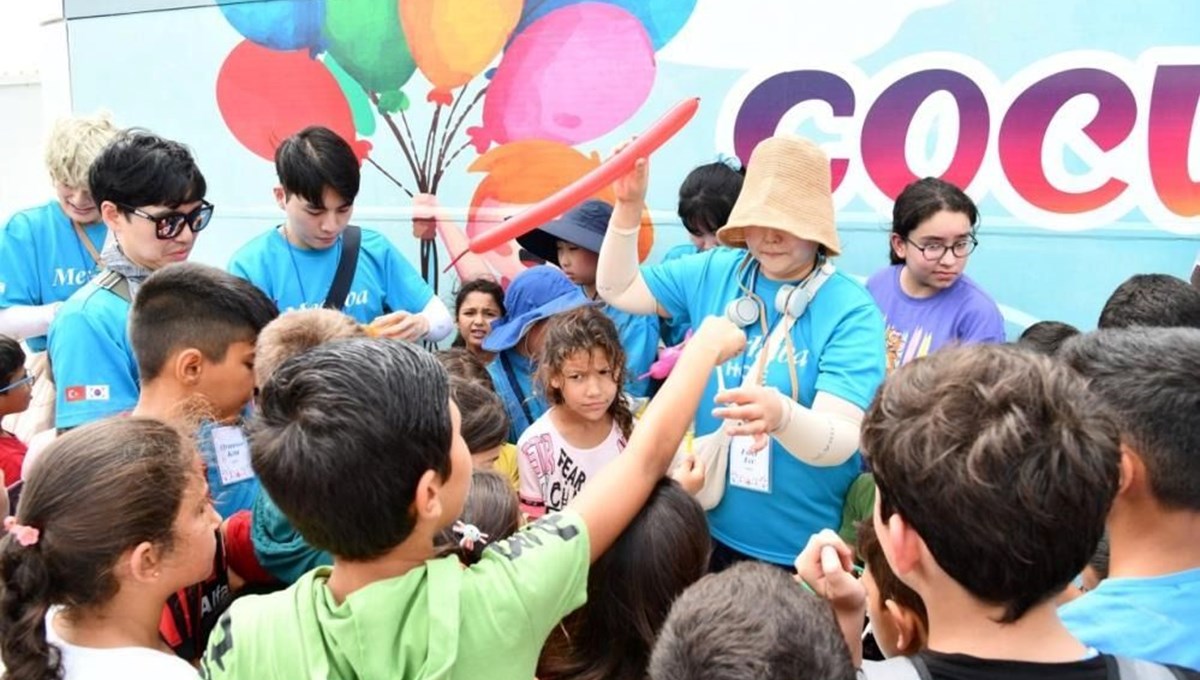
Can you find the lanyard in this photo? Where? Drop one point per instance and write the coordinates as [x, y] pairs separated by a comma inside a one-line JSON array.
[[516, 386]]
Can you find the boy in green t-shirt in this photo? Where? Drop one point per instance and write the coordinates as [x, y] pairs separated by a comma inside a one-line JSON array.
[[358, 443]]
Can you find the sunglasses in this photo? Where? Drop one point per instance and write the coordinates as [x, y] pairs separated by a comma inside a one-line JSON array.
[[170, 225]]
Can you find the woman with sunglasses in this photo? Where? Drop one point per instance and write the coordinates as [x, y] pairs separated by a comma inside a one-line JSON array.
[[926, 299], [151, 195]]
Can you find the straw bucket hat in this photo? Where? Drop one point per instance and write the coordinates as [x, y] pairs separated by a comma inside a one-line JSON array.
[[788, 187]]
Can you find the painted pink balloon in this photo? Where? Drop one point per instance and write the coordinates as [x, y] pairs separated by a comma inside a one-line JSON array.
[[574, 75]]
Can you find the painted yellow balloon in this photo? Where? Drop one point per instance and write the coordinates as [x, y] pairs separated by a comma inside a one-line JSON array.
[[453, 40]]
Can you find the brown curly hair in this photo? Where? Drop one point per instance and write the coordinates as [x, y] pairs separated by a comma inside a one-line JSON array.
[[582, 330]]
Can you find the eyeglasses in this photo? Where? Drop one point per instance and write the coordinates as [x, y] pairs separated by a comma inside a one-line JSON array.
[[936, 251], [27, 380], [168, 226]]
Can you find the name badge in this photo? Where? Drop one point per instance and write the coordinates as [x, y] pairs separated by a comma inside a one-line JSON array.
[[748, 469], [233, 454]]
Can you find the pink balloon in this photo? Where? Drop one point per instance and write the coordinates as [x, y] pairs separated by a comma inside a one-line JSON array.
[[574, 75]]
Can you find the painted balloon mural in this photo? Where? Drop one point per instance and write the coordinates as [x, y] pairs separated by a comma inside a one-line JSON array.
[[514, 85]]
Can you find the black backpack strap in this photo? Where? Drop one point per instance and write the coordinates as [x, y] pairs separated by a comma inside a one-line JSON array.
[[898, 668], [114, 283], [344, 276], [1137, 669], [511, 375]]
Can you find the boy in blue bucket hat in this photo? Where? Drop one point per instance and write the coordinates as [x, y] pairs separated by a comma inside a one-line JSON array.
[[532, 297], [572, 243]]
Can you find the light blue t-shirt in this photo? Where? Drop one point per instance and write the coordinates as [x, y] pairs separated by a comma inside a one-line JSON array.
[[42, 260], [673, 331], [227, 498], [839, 350], [522, 372], [639, 339], [95, 372], [296, 278], [1156, 619]]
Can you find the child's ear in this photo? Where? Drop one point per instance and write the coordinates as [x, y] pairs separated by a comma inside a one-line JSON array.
[[144, 562], [910, 633], [428, 500], [280, 197], [898, 245], [906, 546], [189, 366], [1133, 470]]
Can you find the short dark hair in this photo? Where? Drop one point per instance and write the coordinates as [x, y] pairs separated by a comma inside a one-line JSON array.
[[630, 591], [194, 305], [343, 435], [12, 358], [139, 168], [315, 158], [889, 585], [750, 621], [484, 419], [461, 363], [1047, 336], [1002, 461], [707, 195], [1150, 379], [923, 199], [1156, 300]]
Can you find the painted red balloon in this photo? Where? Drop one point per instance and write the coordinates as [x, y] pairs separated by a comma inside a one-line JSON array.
[[564, 199], [265, 96]]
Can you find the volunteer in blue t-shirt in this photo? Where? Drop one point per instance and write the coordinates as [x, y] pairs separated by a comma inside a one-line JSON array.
[[794, 447], [49, 252], [151, 196], [295, 264]]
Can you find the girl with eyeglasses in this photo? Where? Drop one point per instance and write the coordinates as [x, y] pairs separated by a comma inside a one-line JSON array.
[[926, 299], [16, 391]]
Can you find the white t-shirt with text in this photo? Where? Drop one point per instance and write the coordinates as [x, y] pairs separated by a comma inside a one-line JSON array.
[[552, 470]]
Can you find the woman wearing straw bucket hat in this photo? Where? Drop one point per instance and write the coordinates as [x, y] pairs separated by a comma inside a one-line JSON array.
[[814, 357]]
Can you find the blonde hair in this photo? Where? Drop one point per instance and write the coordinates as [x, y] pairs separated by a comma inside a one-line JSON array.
[[74, 143], [296, 332]]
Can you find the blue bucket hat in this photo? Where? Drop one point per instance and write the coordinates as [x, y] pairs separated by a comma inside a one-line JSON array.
[[584, 225], [535, 294]]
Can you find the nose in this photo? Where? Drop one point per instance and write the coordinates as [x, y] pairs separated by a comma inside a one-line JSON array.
[[953, 258]]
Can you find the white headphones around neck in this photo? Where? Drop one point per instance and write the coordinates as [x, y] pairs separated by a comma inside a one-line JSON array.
[[791, 300]]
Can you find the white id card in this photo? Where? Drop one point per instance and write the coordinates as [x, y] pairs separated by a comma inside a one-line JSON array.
[[749, 469], [233, 454]]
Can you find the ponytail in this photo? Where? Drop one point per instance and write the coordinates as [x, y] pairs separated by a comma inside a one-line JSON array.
[[24, 602]]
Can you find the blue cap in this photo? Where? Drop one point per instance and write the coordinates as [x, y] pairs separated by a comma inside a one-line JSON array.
[[584, 225], [535, 294]]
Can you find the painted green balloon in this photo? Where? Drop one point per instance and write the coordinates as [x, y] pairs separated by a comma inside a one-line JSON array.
[[366, 39], [394, 101], [360, 104]]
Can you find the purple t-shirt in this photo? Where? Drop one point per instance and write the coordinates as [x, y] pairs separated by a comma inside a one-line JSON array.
[[961, 314]]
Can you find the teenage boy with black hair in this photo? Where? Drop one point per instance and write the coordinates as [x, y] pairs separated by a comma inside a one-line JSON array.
[[193, 329], [380, 411], [749, 621], [297, 264], [995, 468], [151, 196], [1148, 606], [1155, 300]]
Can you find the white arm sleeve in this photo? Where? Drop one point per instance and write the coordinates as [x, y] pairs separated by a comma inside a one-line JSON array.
[[825, 435], [618, 278], [27, 321], [440, 323]]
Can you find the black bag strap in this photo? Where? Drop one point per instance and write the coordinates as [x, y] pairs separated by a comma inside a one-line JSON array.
[[516, 387], [114, 283], [347, 263], [1136, 669]]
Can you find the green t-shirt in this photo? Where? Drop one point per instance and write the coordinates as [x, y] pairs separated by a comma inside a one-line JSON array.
[[859, 507], [437, 621]]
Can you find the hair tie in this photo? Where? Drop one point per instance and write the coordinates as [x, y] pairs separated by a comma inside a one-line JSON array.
[[471, 535], [26, 535]]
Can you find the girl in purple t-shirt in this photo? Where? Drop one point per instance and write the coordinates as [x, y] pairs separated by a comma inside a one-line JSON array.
[[926, 299]]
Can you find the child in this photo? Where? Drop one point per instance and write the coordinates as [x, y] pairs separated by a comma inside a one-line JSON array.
[[1155, 300], [16, 391], [1047, 336], [897, 614], [580, 371], [478, 303], [151, 196], [388, 607], [296, 263], [630, 591], [1147, 607], [534, 296], [193, 329], [465, 365], [995, 470], [490, 515], [749, 621], [113, 520], [484, 422], [297, 332], [926, 299], [572, 243]]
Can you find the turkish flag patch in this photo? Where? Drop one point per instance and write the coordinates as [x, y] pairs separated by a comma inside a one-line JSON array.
[[76, 393]]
